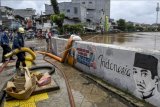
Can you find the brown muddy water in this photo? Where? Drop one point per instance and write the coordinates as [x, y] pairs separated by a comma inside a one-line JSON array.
[[144, 40]]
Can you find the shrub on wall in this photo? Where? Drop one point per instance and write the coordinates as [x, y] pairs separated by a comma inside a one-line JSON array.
[[58, 20], [73, 29]]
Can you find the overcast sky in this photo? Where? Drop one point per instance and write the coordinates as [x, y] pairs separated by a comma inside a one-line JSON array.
[[142, 11]]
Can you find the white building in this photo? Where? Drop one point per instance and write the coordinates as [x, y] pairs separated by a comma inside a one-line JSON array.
[[74, 12], [7, 16], [96, 10], [91, 12]]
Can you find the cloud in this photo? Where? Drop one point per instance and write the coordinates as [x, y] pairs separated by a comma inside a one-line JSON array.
[[136, 11], [22, 4]]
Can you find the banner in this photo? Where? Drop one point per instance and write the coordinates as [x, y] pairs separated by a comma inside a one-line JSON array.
[[106, 23]]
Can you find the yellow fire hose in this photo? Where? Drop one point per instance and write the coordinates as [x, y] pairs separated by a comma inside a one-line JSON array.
[[24, 49]]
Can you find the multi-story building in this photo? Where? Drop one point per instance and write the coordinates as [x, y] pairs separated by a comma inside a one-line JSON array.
[[74, 12], [93, 12], [97, 10], [7, 16], [25, 13]]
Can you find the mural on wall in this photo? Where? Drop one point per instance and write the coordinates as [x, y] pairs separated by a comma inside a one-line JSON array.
[[84, 56], [122, 67], [145, 75]]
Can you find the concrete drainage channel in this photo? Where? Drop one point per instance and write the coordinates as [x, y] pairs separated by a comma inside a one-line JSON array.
[[126, 98]]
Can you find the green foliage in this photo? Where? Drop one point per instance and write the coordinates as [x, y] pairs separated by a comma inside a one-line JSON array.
[[55, 6], [139, 28], [58, 20], [130, 27], [121, 24], [77, 28], [158, 29], [58, 17]]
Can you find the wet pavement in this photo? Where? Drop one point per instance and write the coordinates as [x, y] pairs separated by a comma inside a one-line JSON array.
[[85, 92], [144, 40]]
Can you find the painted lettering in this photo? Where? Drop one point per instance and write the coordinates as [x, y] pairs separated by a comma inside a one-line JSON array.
[[107, 64]]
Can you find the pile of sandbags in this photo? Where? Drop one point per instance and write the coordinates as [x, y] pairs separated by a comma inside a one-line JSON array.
[[21, 87]]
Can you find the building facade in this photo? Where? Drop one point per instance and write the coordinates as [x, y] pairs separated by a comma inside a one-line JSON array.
[[91, 12], [74, 12], [7, 16], [97, 10], [25, 13]]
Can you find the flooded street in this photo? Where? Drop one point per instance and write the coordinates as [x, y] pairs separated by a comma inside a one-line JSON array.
[[144, 40]]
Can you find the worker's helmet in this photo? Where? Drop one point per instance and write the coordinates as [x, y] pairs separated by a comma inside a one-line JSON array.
[[21, 30]]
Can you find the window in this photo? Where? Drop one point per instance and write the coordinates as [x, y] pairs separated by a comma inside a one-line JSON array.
[[83, 2], [90, 2], [68, 10], [75, 10]]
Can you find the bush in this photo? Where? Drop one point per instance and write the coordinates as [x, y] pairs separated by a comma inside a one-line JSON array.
[[58, 20], [76, 29]]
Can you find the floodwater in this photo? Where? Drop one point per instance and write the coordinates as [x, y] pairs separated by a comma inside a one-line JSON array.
[[144, 40]]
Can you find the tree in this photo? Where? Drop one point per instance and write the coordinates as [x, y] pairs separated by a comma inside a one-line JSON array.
[[158, 29], [121, 24], [139, 28], [77, 28], [58, 17], [130, 27], [55, 6]]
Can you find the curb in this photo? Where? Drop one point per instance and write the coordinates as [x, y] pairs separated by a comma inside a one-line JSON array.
[[130, 99]]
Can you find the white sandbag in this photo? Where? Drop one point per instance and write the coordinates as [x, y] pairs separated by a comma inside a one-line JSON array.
[[76, 37]]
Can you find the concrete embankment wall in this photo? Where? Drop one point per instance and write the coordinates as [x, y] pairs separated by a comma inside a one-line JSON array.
[[136, 71]]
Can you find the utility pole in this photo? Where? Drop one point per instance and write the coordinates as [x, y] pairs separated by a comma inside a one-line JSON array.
[[157, 10], [42, 20]]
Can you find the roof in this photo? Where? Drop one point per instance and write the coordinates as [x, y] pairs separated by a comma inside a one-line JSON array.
[[7, 7]]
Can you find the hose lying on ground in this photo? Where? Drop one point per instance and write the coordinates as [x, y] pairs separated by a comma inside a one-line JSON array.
[[71, 99], [51, 68], [69, 44], [66, 51], [24, 49], [51, 55]]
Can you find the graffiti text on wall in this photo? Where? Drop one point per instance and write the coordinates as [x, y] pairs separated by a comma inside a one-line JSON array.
[[107, 64]]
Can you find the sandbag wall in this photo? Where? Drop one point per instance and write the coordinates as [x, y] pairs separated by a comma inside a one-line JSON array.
[[136, 71]]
